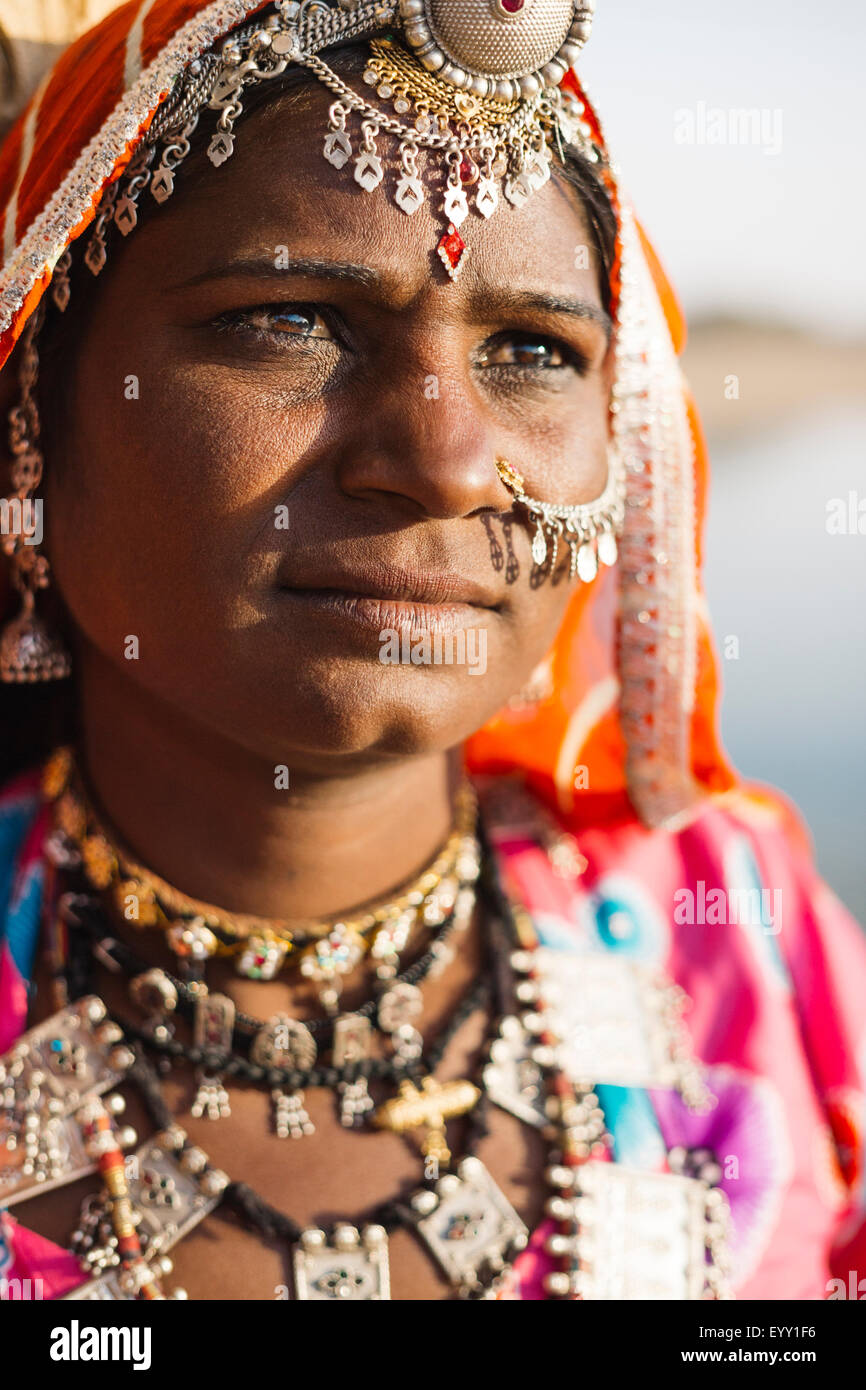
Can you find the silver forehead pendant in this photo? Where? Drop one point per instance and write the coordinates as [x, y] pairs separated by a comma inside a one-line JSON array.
[[351, 1267], [470, 1228]]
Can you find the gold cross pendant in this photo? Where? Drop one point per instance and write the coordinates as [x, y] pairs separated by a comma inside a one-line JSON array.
[[429, 1105]]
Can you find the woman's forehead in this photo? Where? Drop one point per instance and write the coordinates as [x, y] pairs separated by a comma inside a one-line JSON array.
[[278, 201]]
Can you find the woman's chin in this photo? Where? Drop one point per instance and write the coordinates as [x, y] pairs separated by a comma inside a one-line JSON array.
[[348, 709]]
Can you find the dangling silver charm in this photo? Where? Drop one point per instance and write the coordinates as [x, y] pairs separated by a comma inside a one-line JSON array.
[[555, 533], [60, 288], [537, 169], [352, 1039], [338, 146], [455, 205], [221, 148], [291, 1120], [607, 548], [587, 562], [539, 546], [369, 170], [512, 1079], [285, 1044], [410, 191], [155, 994], [211, 1099], [162, 184], [214, 1030], [487, 197], [518, 189], [225, 98], [328, 959]]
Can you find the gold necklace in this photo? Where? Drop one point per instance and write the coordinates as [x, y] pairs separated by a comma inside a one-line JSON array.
[[260, 946]]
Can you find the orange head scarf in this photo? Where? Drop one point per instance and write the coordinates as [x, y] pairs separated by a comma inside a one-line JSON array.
[[627, 720]]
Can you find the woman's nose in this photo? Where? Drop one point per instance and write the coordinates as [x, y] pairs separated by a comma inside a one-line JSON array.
[[429, 445]]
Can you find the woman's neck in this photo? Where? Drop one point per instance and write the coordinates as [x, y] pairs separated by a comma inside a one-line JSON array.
[[218, 822]]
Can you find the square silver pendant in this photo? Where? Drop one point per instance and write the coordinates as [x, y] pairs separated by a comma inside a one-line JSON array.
[[105, 1289], [351, 1267], [78, 1052], [469, 1226], [173, 1190], [639, 1235], [51, 1153], [609, 1015]]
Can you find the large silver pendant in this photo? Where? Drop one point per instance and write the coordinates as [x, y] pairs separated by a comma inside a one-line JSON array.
[[350, 1268], [172, 1187], [639, 1236], [48, 1074], [470, 1228], [48, 1152], [611, 1017]]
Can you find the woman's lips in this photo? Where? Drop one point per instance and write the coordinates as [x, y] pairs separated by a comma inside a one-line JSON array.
[[379, 613]]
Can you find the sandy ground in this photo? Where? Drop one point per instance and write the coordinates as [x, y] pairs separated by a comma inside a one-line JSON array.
[[779, 373]]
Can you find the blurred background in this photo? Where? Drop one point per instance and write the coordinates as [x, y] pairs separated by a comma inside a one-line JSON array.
[[739, 132]]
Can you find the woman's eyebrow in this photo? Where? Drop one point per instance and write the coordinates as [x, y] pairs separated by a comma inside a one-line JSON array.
[[550, 303], [269, 268]]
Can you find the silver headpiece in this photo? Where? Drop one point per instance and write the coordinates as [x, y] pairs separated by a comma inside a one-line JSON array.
[[474, 82]]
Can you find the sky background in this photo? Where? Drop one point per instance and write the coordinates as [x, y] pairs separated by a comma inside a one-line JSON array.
[[739, 230]]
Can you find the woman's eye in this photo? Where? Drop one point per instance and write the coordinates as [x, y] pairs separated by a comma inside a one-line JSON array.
[[529, 351], [280, 320]]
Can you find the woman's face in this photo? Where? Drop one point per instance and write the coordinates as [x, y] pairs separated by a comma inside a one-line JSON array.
[[280, 403]]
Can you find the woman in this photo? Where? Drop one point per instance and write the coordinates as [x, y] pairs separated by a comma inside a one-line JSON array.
[[350, 387]]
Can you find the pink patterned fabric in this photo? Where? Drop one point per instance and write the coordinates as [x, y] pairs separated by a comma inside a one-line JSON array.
[[777, 1017]]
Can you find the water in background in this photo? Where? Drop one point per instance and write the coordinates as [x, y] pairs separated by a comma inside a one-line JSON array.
[[793, 711]]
